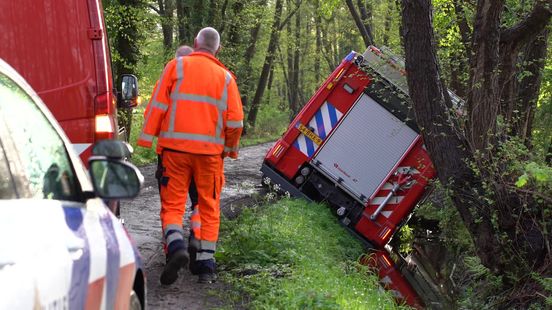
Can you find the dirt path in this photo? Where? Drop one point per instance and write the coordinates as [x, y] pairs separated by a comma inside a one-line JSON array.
[[141, 217]]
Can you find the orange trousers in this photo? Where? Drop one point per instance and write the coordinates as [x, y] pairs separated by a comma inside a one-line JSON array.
[[208, 174]]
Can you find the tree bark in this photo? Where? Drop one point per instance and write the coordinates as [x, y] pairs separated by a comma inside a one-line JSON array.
[[181, 20], [250, 53], [318, 26], [516, 47], [166, 10], [269, 58], [446, 146], [482, 99], [366, 17], [534, 60], [294, 103], [365, 33], [387, 23]]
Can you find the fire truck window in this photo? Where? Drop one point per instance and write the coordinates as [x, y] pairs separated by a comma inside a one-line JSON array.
[[41, 151]]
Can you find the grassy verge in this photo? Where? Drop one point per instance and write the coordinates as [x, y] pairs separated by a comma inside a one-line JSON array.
[[294, 255]]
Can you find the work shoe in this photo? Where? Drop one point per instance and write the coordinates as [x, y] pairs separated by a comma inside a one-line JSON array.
[[193, 247], [179, 259], [207, 270]]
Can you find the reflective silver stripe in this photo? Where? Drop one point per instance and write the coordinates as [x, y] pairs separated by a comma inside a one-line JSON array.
[[231, 149], [204, 256], [174, 236], [221, 105], [208, 245], [224, 97], [173, 227], [224, 100], [195, 224], [191, 136], [180, 79], [195, 211], [146, 137], [159, 105], [198, 98], [234, 124], [153, 100]]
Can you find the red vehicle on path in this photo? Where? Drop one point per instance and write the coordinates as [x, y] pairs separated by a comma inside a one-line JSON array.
[[356, 146], [61, 48]]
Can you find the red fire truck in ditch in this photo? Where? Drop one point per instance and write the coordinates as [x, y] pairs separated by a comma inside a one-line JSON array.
[[356, 146]]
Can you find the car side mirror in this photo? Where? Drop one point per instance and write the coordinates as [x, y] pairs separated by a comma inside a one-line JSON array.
[[111, 148], [114, 179], [129, 90]]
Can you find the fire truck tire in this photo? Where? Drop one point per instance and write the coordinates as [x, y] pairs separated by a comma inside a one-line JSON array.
[[134, 303]]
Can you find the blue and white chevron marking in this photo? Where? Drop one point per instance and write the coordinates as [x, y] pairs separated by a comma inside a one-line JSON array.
[[322, 123]]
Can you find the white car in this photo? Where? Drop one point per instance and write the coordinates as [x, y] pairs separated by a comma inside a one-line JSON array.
[[60, 246]]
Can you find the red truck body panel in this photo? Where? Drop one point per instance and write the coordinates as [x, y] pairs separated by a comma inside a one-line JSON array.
[[60, 47], [355, 146], [391, 278], [339, 93]]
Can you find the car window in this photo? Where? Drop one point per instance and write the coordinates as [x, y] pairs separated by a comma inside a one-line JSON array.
[[40, 149], [7, 189]]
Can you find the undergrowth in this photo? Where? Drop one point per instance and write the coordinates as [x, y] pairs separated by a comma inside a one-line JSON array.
[[294, 255]]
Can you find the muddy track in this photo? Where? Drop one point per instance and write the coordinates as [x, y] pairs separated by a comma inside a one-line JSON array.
[[141, 217]]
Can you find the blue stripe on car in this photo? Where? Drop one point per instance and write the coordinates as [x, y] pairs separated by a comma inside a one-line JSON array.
[[81, 266]]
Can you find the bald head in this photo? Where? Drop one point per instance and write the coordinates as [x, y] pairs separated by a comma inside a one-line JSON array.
[[208, 39], [183, 50]]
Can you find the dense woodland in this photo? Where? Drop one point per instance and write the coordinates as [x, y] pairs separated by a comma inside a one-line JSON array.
[[494, 159]]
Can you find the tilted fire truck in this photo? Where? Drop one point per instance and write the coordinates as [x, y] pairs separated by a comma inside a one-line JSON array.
[[356, 146]]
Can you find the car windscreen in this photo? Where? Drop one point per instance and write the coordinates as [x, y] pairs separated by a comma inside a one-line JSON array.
[[39, 149]]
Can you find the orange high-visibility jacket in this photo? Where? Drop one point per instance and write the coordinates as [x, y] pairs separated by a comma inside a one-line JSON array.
[[195, 107]]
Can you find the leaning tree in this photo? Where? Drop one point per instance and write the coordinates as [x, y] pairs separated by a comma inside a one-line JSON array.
[[509, 225]]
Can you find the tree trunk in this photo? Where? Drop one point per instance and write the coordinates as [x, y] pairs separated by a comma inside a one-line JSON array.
[[506, 245], [318, 26], [181, 21], [366, 35], [520, 44], [127, 40], [248, 56], [447, 149], [166, 10], [535, 58], [223, 17], [269, 58], [295, 104], [483, 97], [387, 23], [366, 17]]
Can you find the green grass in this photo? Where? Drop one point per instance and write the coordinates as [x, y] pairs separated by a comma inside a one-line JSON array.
[[294, 255]]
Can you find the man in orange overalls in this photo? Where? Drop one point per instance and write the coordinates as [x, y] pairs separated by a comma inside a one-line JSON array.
[[195, 220], [197, 115]]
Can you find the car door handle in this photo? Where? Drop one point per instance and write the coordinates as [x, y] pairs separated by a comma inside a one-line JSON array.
[[6, 262], [74, 248]]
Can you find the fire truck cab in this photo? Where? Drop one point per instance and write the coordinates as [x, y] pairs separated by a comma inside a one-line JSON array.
[[356, 146]]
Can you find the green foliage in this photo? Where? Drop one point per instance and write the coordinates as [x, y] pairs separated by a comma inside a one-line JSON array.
[[141, 156], [541, 175], [132, 22], [294, 255]]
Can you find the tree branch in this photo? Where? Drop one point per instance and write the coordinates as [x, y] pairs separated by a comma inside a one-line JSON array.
[[154, 8], [290, 15], [532, 24]]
